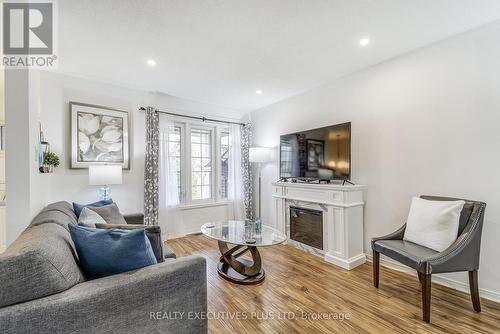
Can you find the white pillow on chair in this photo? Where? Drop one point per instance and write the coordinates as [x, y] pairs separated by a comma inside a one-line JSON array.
[[433, 224]]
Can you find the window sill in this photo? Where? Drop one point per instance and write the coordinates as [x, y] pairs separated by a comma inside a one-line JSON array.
[[183, 207]]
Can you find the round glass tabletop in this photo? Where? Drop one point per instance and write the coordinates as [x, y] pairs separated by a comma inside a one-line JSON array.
[[240, 232]]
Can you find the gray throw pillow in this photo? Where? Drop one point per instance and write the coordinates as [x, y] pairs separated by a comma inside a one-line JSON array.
[[89, 218], [110, 213]]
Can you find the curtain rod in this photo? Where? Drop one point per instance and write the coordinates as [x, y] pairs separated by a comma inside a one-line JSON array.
[[204, 119]]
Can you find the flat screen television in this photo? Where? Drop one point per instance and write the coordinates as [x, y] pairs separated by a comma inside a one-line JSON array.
[[322, 154]]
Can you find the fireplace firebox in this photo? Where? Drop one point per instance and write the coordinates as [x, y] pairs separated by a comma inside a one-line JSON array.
[[306, 226]]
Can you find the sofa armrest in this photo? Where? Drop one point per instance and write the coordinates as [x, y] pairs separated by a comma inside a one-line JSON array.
[[153, 232], [134, 218], [139, 301]]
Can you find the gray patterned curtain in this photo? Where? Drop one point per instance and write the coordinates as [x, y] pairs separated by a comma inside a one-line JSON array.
[[246, 170], [151, 173]]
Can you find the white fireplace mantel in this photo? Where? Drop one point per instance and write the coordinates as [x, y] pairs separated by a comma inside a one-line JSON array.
[[342, 208]]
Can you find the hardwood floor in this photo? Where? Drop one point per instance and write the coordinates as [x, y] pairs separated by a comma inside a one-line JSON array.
[[299, 282]]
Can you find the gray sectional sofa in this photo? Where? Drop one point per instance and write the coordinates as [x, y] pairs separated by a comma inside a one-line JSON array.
[[43, 289]]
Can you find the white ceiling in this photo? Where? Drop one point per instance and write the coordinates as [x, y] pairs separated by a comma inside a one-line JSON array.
[[221, 52]]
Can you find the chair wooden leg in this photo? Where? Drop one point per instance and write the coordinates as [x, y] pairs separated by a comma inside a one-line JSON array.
[[425, 280], [376, 268], [474, 290]]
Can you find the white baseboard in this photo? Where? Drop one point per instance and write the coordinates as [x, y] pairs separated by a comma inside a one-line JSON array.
[[349, 264], [445, 281]]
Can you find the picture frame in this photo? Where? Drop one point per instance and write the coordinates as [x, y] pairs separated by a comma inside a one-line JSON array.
[[99, 136], [315, 154]]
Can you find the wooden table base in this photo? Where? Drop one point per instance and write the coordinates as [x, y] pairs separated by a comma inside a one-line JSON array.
[[237, 270]]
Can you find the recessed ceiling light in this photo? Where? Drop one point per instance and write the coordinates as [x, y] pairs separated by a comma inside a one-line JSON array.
[[364, 42], [258, 91], [151, 62]]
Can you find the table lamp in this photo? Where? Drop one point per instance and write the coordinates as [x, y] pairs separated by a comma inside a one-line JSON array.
[[105, 175]]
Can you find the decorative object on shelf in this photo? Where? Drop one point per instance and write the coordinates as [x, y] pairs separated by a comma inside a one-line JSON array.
[[50, 161], [43, 147], [99, 136], [105, 175], [259, 155]]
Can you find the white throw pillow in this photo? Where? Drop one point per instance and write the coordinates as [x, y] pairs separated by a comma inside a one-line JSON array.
[[433, 224], [89, 218]]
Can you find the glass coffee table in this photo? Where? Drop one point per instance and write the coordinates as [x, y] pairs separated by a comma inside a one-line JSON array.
[[244, 238]]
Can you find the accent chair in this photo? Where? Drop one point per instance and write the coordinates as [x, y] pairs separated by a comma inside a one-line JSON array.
[[462, 255]]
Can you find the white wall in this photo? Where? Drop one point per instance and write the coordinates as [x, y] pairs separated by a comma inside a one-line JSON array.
[[26, 190], [45, 96], [2, 166], [17, 148], [72, 184], [424, 123]]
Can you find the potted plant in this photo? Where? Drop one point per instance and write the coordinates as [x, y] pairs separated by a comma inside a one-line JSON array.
[[50, 160]]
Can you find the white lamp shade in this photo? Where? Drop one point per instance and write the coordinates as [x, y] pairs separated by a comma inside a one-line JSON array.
[[259, 154], [105, 175]]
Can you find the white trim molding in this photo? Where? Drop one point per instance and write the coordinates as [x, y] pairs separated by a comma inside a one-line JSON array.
[[202, 205]]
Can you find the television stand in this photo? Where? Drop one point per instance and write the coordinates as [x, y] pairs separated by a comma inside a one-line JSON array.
[[347, 181]]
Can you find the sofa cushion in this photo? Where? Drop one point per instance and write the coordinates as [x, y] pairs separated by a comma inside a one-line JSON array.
[[110, 213], [79, 207], [39, 263], [104, 252], [403, 251], [60, 213], [89, 218]]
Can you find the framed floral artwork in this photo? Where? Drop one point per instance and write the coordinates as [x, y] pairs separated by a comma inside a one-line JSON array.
[[99, 136]]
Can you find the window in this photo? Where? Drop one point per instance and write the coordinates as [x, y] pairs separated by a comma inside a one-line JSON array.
[[201, 164], [174, 147], [225, 151], [199, 160]]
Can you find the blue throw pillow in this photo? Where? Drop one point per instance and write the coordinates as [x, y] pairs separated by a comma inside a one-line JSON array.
[[79, 207], [104, 252]]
